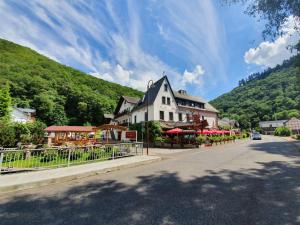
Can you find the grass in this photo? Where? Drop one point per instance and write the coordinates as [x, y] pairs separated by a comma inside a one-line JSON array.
[[35, 161]]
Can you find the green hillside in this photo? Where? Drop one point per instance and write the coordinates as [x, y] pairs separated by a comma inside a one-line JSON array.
[[60, 94], [273, 94]]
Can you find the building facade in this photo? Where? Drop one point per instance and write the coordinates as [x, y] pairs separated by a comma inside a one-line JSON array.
[[22, 115], [268, 127], [294, 125], [165, 105]]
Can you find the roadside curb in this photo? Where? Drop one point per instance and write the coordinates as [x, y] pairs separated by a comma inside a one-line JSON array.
[[45, 182]]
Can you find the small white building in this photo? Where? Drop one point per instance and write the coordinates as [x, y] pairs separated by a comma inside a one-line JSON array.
[[22, 115], [166, 106]]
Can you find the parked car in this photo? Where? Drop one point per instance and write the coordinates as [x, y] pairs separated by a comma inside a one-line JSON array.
[[256, 136]]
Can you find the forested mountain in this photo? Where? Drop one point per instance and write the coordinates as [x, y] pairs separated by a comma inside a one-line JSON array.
[[60, 94], [270, 95]]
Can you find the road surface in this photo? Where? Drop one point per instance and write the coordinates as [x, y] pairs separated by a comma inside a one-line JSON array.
[[245, 183]]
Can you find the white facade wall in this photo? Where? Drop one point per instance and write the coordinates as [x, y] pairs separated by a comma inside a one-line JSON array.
[[159, 106], [126, 105], [140, 114], [20, 117], [211, 117]]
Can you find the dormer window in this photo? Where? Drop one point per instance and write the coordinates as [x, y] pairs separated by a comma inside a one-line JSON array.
[[166, 87]]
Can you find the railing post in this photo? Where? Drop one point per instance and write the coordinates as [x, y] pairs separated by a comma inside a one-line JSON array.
[[113, 152], [69, 156], [1, 160]]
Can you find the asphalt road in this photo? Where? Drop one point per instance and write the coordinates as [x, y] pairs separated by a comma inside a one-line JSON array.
[[246, 183]]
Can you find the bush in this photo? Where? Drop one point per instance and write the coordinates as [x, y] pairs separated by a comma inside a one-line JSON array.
[[154, 130], [159, 140], [49, 155], [7, 134], [282, 131], [200, 139], [13, 156], [12, 133], [298, 136]]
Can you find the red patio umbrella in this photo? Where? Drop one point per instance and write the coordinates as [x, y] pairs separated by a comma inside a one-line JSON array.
[[174, 131], [204, 132]]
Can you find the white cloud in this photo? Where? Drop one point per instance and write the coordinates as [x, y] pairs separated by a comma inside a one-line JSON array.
[[64, 31], [193, 77], [273, 53]]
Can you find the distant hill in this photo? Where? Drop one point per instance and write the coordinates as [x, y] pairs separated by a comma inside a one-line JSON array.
[[60, 94], [273, 94]]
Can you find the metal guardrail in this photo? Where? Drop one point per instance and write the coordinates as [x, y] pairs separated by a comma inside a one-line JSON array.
[[13, 160]]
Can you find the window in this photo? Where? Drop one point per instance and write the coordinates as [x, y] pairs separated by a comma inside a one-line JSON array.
[[180, 116], [188, 118], [171, 116], [161, 115], [168, 101], [163, 100], [203, 118], [135, 119], [166, 87], [146, 116]]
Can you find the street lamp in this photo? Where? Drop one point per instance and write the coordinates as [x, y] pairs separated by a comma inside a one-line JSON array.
[[150, 83]]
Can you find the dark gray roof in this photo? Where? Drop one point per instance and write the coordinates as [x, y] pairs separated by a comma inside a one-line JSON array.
[[152, 93], [274, 123], [26, 110], [208, 106], [132, 100], [189, 97]]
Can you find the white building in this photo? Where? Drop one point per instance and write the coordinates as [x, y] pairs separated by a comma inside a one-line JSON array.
[[22, 115], [166, 106]]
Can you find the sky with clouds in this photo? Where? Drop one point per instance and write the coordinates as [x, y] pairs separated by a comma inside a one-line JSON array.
[[201, 45]]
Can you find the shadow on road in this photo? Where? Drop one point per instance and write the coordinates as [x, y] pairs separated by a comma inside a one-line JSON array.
[[281, 148], [262, 196]]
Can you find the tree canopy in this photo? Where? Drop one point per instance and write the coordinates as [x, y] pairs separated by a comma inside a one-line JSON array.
[[271, 95], [60, 94], [274, 12]]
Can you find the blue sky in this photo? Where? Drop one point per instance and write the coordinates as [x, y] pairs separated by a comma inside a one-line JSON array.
[[202, 46]]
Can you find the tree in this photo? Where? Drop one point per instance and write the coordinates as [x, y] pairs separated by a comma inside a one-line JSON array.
[[5, 101], [275, 12]]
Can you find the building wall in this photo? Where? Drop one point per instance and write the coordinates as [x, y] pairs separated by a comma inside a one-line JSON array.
[[154, 110], [123, 119], [18, 116], [126, 105], [159, 106], [211, 117], [140, 114]]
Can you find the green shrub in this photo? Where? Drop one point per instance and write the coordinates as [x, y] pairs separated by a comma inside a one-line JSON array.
[[13, 156], [298, 136], [49, 155], [282, 131], [159, 140], [75, 154], [201, 139], [96, 153]]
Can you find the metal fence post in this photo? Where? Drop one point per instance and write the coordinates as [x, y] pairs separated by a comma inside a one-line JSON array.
[[113, 152], [69, 156], [1, 160]]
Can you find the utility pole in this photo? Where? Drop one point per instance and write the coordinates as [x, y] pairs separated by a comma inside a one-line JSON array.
[[147, 118]]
